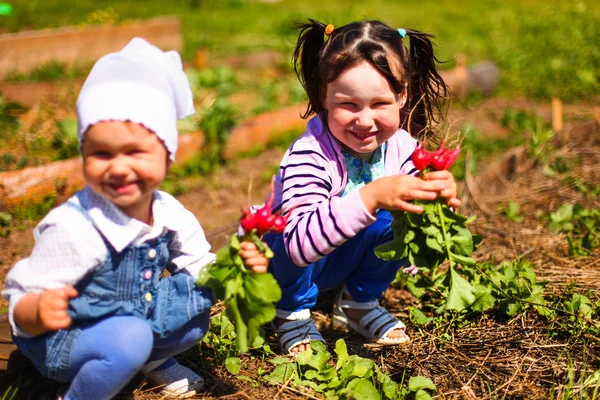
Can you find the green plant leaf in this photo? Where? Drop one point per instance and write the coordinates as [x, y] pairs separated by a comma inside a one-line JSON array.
[[362, 389], [461, 294], [422, 395], [233, 365], [5, 218], [392, 250], [416, 383], [484, 299], [341, 351], [418, 318], [512, 211], [282, 373]]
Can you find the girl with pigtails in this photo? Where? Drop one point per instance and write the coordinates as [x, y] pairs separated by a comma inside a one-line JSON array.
[[371, 98]]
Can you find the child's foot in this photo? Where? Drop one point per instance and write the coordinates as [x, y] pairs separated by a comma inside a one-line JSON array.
[[370, 320], [295, 331], [175, 380]]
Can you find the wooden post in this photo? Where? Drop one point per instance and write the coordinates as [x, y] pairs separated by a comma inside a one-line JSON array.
[[557, 117]]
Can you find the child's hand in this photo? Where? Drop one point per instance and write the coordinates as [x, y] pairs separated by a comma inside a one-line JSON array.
[[253, 258], [450, 191], [396, 192], [52, 308]]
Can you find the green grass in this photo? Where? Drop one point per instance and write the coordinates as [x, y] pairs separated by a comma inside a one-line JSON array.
[[543, 48]]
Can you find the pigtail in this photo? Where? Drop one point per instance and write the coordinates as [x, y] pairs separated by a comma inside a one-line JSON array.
[[306, 61], [426, 88]]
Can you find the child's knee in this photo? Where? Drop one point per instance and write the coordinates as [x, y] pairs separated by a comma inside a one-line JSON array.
[[131, 347], [380, 231]]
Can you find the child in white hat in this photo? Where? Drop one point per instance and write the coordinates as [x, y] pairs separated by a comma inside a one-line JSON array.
[[89, 306]]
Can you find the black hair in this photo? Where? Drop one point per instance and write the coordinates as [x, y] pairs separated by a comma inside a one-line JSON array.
[[318, 62]]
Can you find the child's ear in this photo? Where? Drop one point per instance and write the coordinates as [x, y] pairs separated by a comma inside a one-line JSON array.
[[403, 97]]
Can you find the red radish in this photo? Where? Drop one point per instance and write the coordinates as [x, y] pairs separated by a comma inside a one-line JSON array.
[[439, 161], [421, 158], [248, 222], [452, 156], [279, 224], [442, 148], [264, 219]]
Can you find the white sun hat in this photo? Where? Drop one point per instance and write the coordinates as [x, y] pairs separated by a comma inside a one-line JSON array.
[[141, 84]]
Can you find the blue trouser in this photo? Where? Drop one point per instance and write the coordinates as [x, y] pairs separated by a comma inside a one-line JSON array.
[[353, 263], [109, 352]]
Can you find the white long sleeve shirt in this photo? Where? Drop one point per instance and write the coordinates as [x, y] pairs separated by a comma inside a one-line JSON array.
[[67, 246]]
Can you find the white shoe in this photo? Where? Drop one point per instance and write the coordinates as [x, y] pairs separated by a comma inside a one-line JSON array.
[[177, 381]]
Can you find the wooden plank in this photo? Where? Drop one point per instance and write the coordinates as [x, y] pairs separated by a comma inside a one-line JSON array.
[[23, 51], [6, 345]]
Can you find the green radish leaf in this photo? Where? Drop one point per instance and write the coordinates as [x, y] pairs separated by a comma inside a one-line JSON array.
[[342, 353], [249, 297], [418, 318], [361, 366], [392, 250], [422, 395], [461, 294], [433, 244], [282, 373], [419, 383], [484, 299], [233, 365], [362, 389]]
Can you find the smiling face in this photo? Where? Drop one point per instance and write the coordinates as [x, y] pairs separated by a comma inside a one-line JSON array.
[[363, 111], [125, 163]]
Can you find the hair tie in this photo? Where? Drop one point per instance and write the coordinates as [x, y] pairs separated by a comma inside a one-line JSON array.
[[402, 32], [329, 29]]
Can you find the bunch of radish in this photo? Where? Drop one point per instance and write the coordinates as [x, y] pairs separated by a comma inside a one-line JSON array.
[[439, 160], [263, 220], [249, 297]]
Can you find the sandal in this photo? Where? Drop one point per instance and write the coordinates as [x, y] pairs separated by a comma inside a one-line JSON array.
[[375, 325], [298, 329]]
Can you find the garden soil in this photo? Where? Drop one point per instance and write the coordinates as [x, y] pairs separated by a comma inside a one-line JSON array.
[[489, 359]]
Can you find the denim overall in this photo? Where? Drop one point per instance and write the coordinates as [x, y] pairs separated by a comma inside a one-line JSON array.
[[126, 283]]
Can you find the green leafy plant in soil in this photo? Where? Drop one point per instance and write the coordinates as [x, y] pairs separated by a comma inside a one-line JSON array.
[[5, 219], [352, 376], [512, 211], [581, 225], [9, 116], [220, 344], [65, 140]]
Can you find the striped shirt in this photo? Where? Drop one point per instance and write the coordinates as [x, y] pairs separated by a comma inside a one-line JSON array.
[[312, 176]]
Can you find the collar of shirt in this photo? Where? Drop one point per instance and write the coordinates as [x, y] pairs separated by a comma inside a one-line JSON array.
[[121, 230], [362, 172]]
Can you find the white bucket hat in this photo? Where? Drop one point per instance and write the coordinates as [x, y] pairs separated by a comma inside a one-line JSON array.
[[141, 84]]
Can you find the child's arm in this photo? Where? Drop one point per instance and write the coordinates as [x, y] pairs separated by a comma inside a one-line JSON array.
[[253, 258], [396, 192], [37, 313], [66, 248], [318, 220]]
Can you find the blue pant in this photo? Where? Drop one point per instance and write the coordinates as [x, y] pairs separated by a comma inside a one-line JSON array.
[[353, 263], [108, 353]]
